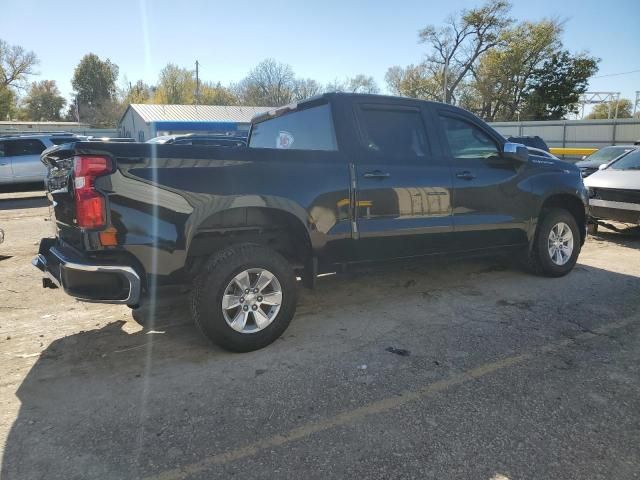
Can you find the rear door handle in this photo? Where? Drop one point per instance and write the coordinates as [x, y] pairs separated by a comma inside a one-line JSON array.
[[377, 174], [466, 175]]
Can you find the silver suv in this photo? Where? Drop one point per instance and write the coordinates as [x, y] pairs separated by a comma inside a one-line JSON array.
[[20, 155]]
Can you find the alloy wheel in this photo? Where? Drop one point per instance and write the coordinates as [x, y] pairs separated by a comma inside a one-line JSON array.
[[560, 243], [252, 300]]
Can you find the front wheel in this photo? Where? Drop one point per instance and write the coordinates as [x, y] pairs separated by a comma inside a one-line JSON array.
[[556, 246], [245, 298]]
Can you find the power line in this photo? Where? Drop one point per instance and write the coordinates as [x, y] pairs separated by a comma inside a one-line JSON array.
[[616, 74]]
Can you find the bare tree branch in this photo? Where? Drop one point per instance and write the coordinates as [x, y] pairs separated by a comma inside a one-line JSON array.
[[16, 65]]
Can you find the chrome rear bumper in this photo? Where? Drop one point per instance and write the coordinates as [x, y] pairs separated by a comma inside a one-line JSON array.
[[88, 281]]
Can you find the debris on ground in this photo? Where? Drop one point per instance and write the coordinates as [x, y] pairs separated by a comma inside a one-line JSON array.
[[398, 351]]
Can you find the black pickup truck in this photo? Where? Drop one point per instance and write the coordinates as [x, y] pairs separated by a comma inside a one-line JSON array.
[[331, 181]]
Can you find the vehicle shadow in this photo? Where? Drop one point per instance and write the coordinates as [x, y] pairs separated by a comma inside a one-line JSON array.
[[23, 203], [111, 403], [627, 237], [22, 187]]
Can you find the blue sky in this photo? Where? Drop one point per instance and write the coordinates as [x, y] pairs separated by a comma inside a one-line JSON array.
[[322, 40]]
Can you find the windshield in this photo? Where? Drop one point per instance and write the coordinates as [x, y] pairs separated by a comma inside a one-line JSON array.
[[628, 162], [606, 154]]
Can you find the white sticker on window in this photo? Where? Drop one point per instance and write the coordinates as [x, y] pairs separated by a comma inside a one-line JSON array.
[[284, 140]]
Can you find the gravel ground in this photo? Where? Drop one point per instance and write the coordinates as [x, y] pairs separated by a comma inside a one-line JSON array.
[[440, 369]]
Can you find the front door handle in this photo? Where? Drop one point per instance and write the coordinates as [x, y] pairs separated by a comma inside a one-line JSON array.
[[466, 175], [377, 174]]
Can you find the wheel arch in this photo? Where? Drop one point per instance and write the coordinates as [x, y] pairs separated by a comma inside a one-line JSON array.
[[571, 203], [280, 229]]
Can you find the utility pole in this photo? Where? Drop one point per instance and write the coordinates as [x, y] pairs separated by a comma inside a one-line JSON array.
[[444, 80], [197, 82], [617, 100], [636, 104]]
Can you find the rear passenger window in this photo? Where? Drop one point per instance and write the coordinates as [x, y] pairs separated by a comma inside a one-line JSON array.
[[17, 148], [308, 129], [398, 133], [467, 140]]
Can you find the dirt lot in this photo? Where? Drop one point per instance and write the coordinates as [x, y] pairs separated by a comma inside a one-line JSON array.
[[495, 374]]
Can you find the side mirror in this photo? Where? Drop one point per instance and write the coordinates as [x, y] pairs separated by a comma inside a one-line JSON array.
[[602, 166], [515, 151]]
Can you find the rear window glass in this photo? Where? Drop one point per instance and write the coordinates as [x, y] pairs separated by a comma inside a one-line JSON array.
[[308, 129]]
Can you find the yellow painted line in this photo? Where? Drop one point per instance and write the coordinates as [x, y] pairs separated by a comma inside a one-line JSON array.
[[379, 406], [572, 151]]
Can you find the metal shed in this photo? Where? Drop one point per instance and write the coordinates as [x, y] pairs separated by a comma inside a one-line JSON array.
[[142, 121]]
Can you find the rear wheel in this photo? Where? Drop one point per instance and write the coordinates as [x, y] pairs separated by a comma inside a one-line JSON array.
[[556, 246], [245, 298]]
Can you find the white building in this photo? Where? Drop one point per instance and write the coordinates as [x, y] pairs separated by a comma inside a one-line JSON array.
[[143, 121]]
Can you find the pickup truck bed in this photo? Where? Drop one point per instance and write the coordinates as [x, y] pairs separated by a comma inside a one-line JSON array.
[[333, 180]]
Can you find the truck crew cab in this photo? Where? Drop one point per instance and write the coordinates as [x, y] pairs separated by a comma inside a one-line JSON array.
[[333, 180]]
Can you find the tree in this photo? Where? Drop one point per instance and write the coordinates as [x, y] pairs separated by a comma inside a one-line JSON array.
[[176, 86], [555, 87], [607, 110], [270, 83], [362, 84], [43, 101], [358, 84], [414, 81], [139, 92], [16, 65], [94, 82], [455, 48], [335, 86], [503, 74], [216, 94], [7, 103], [305, 88]]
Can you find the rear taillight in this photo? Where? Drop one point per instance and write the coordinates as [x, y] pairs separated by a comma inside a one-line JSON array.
[[90, 204]]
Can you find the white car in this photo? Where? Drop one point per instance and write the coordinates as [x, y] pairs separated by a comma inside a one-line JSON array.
[[20, 156], [614, 190]]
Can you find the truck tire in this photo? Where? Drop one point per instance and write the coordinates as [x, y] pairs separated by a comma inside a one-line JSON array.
[[244, 298], [556, 245]]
